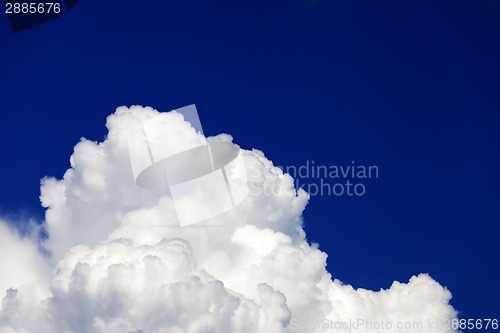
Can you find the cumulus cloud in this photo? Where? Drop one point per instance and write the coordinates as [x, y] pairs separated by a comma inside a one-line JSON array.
[[120, 287], [119, 262], [22, 263]]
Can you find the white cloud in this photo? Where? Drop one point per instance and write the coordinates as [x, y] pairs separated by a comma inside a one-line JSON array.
[[24, 277], [122, 264], [22, 264], [119, 287]]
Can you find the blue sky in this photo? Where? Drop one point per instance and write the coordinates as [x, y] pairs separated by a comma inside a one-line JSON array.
[[412, 87]]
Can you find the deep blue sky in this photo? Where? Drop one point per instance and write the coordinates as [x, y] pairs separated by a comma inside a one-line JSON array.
[[411, 86]]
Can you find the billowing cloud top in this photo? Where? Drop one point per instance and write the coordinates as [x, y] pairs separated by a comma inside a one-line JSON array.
[[119, 261]]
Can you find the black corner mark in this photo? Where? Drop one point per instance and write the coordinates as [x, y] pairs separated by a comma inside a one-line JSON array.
[[70, 4], [26, 14]]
